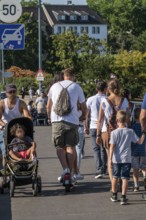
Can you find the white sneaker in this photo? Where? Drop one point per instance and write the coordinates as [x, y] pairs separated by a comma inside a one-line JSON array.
[[60, 178], [78, 176], [73, 180], [97, 176], [66, 170]]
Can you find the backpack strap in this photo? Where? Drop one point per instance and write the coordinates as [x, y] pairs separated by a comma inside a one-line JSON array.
[[112, 105], [67, 86]]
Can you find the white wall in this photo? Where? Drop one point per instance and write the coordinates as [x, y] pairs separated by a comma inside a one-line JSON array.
[[102, 35]]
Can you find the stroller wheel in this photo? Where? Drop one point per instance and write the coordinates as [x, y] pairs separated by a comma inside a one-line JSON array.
[[12, 187], [39, 184], [35, 188]]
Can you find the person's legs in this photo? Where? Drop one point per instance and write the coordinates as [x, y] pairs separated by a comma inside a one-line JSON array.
[[104, 159], [97, 154], [136, 179], [109, 169], [58, 139], [136, 166], [2, 149], [116, 173], [105, 139], [61, 153], [70, 155], [125, 175], [143, 168], [124, 187], [114, 184], [79, 146]]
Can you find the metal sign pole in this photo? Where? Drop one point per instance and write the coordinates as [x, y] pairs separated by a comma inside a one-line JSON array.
[[3, 65], [40, 40]]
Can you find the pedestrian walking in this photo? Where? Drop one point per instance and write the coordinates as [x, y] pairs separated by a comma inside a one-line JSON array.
[[93, 105], [22, 92], [65, 124], [107, 115], [138, 153], [120, 155], [79, 148], [30, 92]]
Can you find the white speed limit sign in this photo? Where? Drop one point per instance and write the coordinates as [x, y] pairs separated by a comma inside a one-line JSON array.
[[10, 10]]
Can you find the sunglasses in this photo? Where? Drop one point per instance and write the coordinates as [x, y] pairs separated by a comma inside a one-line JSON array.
[[12, 92]]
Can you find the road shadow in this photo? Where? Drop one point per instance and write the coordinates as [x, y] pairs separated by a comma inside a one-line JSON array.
[[80, 188], [5, 207], [47, 158]]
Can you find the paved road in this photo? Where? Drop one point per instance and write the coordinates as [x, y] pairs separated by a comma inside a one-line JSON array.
[[89, 200]]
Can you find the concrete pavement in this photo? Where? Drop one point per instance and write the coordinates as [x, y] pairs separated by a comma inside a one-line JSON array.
[[90, 199]]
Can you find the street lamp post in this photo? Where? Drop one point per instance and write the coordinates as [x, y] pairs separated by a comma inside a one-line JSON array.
[[2, 62], [40, 40]]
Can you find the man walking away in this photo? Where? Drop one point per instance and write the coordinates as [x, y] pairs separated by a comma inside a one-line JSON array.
[[65, 127], [93, 105]]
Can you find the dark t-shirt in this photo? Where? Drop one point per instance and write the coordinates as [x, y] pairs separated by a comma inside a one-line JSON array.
[[138, 150], [19, 144]]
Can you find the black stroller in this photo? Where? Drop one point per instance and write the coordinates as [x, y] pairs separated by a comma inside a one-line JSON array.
[[21, 172]]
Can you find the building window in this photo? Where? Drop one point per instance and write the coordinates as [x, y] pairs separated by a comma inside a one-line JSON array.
[[73, 17], [75, 30], [95, 30], [59, 30], [70, 29], [84, 17], [84, 30], [61, 17], [63, 29]]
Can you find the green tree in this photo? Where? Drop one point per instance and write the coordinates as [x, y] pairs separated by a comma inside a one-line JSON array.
[[139, 43], [70, 50], [29, 3], [130, 67], [125, 19]]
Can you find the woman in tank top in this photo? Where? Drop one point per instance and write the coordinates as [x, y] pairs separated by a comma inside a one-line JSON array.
[[105, 112]]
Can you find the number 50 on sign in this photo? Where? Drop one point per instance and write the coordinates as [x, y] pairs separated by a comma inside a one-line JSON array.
[[10, 10]]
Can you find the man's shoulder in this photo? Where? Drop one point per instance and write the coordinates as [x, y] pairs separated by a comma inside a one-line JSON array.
[[2, 101], [90, 98], [21, 102]]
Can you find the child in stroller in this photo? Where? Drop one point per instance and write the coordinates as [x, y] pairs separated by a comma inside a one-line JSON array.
[[22, 146], [20, 166]]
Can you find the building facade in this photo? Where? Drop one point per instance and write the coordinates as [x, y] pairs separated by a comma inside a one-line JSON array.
[[76, 18]]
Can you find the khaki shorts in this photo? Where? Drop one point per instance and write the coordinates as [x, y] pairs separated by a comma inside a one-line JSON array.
[[64, 134], [105, 140]]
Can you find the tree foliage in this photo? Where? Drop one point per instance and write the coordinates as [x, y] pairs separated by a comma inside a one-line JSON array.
[[130, 67], [125, 19], [29, 3]]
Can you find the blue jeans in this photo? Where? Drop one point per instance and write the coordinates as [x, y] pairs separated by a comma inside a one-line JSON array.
[[121, 170], [99, 154], [79, 146]]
